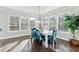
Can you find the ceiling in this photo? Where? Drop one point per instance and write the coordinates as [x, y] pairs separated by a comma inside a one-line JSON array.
[[34, 9]]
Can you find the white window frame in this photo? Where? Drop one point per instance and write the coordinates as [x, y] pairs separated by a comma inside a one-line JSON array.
[[59, 30], [9, 23], [30, 22], [53, 22], [21, 23]]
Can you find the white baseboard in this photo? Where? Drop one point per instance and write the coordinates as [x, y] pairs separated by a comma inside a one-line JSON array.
[[63, 38], [12, 36]]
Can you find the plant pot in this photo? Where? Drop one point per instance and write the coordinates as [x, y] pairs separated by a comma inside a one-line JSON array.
[[74, 42]]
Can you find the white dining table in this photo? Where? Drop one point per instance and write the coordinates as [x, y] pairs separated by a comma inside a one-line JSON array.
[[46, 33]]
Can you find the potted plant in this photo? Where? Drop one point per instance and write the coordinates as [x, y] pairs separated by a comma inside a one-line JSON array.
[[70, 22]]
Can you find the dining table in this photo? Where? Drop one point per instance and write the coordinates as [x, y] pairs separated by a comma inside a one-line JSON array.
[[46, 33]]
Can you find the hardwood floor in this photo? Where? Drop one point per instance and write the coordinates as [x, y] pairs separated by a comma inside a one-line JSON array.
[[10, 44], [23, 44], [62, 46], [36, 47], [65, 46]]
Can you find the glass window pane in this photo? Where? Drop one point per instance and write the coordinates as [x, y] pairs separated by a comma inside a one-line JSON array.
[[61, 25], [32, 24], [24, 23], [52, 24], [14, 23]]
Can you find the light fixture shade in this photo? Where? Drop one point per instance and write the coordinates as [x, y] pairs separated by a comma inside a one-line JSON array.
[[32, 19], [37, 21]]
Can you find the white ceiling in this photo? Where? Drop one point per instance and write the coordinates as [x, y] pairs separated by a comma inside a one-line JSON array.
[[34, 9]]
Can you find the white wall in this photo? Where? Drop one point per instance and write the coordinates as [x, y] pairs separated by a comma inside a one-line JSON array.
[[60, 12], [45, 9], [0, 26], [4, 13], [34, 9], [30, 9]]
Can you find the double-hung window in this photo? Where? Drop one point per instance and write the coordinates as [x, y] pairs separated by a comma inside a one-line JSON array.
[[13, 23], [61, 25]]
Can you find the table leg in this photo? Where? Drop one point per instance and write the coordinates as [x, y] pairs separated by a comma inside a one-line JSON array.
[[46, 41], [53, 43]]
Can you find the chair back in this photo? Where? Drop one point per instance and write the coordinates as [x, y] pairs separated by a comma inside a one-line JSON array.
[[54, 34], [33, 32], [36, 34]]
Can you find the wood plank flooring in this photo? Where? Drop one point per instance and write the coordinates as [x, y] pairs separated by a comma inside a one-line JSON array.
[[35, 47], [65, 46], [62, 46], [10, 45]]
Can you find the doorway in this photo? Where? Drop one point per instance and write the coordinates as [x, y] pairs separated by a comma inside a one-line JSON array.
[[0, 26]]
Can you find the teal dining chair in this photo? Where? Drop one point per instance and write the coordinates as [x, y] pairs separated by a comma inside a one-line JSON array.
[[52, 39], [36, 35]]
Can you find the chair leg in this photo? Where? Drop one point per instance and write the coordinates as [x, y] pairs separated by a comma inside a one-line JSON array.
[[31, 40], [55, 44], [52, 44], [41, 42]]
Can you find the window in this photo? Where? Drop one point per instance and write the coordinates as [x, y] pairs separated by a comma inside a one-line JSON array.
[[45, 24], [24, 23], [13, 23], [32, 24], [52, 24], [61, 25]]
